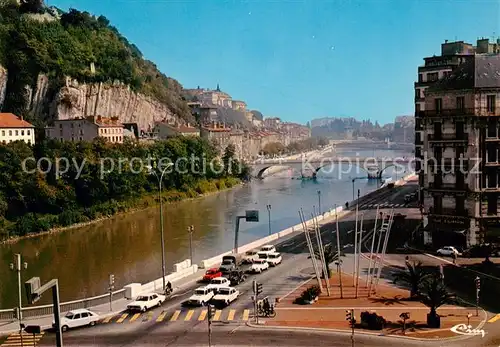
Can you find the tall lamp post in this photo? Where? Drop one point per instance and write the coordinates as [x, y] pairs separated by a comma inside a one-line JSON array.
[[269, 216], [19, 266], [160, 180], [353, 188], [319, 201], [190, 232]]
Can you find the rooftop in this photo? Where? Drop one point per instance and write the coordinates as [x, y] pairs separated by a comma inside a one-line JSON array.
[[180, 128], [481, 72], [10, 120]]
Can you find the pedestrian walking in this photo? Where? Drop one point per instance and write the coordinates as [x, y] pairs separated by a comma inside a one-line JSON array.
[[454, 258]]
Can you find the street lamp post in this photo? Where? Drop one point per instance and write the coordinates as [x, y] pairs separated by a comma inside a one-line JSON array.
[[18, 266], [160, 180], [353, 188], [190, 232], [319, 201], [269, 217]]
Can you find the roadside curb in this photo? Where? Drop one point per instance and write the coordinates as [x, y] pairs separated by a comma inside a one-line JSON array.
[[358, 332]]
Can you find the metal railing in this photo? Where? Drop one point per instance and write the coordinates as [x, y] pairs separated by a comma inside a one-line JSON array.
[[47, 310], [447, 186], [476, 111], [448, 137]]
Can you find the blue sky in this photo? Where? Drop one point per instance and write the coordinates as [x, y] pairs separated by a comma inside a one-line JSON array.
[[299, 60]]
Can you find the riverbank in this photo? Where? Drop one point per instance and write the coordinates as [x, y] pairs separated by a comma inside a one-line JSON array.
[[202, 189]]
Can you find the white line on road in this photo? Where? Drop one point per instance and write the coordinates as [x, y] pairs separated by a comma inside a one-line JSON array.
[[369, 308], [294, 289]]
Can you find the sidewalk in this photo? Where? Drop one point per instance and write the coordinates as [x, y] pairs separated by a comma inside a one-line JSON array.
[[117, 306]]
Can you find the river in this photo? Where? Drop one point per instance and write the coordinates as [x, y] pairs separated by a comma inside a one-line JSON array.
[[128, 245]]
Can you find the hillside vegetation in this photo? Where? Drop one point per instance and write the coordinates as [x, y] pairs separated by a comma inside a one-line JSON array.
[[69, 45]]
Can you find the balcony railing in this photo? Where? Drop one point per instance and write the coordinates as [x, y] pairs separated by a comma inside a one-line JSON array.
[[447, 186], [448, 163], [448, 211], [448, 137], [477, 111]]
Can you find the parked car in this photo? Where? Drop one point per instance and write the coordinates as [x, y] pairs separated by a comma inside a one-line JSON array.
[[274, 259], [77, 318], [145, 302], [448, 251], [200, 297], [211, 274], [225, 297], [217, 283], [268, 249], [250, 256], [259, 265]]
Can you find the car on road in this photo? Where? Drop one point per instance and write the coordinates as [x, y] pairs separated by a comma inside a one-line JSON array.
[[77, 318], [200, 297], [274, 259], [259, 265], [218, 283], [225, 297], [212, 273], [250, 256], [448, 251], [236, 277], [146, 301], [267, 249], [229, 263]]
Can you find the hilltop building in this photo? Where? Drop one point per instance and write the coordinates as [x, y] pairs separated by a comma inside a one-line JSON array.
[[13, 128], [86, 129]]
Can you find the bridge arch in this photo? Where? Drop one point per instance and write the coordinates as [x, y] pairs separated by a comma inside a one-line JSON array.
[[359, 165], [380, 172], [262, 170]]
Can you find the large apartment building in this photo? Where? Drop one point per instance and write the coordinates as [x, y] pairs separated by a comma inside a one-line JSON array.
[[460, 146]]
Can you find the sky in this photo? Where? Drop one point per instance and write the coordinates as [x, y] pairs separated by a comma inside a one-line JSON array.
[[299, 60]]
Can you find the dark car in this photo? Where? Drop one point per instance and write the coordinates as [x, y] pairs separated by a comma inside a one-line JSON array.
[[236, 277]]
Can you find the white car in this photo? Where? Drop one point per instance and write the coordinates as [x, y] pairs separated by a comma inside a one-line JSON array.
[[77, 318], [274, 259], [250, 256], [201, 296], [217, 283], [259, 265], [268, 249], [225, 296], [448, 251], [145, 302]]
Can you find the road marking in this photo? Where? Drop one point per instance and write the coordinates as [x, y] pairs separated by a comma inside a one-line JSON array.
[[108, 319], [175, 315], [122, 318], [161, 317], [134, 317], [149, 316], [246, 313], [494, 318], [189, 315], [217, 315], [203, 315], [230, 316]]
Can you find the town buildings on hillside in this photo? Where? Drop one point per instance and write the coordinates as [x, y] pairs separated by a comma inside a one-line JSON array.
[[13, 128], [86, 129], [404, 129], [457, 109]]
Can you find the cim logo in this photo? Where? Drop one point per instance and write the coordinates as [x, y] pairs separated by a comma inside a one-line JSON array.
[[464, 329]]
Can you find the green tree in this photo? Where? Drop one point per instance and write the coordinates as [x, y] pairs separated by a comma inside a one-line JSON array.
[[414, 277], [228, 159], [331, 255]]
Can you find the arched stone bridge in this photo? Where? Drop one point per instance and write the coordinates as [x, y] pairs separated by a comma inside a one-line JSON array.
[[373, 166]]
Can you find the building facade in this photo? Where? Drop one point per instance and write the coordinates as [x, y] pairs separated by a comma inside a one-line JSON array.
[[218, 134], [86, 129], [13, 128], [461, 150]]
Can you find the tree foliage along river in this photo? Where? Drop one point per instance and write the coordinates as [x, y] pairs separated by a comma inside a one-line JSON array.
[[36, 200]]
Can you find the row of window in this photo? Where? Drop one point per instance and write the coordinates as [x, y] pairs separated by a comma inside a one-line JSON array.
[[16, 132], [110, 130], [432, 76], [460, 103], [9, 141]]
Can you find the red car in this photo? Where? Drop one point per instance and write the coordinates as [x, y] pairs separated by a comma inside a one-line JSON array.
[[211, 274]]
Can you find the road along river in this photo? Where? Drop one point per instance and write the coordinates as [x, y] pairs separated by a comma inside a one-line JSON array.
[[128, 245]]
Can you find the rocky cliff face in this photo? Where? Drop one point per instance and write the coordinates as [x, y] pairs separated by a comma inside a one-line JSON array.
[[75, 99]]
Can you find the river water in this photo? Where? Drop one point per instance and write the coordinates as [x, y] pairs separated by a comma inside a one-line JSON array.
[[128, 246]]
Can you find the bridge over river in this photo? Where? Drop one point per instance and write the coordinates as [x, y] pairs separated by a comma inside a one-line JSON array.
[[373, 166]]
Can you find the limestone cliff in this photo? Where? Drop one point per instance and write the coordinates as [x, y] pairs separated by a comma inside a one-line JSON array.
[[75, 99]]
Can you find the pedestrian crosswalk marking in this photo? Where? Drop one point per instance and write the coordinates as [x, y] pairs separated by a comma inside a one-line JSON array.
[[494, 318], [161, 317], [189, 315], [203, 315], [149, 316], [246, 313], [175, 315], [108, 319], [134, 317], [217, 315], [122, 318], [231, 314], [14, 340]]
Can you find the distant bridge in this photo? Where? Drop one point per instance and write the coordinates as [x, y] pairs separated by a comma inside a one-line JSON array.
[[373, 166]]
